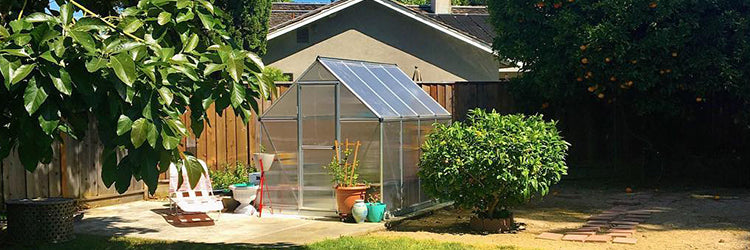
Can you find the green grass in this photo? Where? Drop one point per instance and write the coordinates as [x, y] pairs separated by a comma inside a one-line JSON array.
[[359, 242]]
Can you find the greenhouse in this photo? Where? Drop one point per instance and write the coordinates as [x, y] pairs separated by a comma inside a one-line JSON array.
[[336, 99]]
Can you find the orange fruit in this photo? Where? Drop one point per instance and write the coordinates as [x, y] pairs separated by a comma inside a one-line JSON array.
[[589, 74], [592, 88], [716, 197], [668, 70], [570, 1], [545, 105], [557, 5], [633, 61], [580, 79], [629, 83], [583, 47], [600, 95], [628, 190], [661, 71], [540, 5], [584, 60], [674, 54], [612, 78], [698, 99], [652, 5], [607, 60]]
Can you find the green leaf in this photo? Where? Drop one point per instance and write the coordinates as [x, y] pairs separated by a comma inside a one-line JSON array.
[[33, 97], [62, 81], [169, 140], [95, 63], [185, 16], [237, 95], [235, 66], [124, 124], [212, 67], [7, 71], [166, 95], [84, 39], [165, 159], [164, 17], [207, 5], [87, 24], [47, 55], [206, 20], [66, 13], [122, 47], [4, 32], [49, 118], [139, 132], [152, 135], [132, 26], [194, 170], [124, 175], [256, 64], [124, 68], [21, 72], [16, 52], [187, 70], [192, 42], [109, 167], [177, 125], [39, 17]]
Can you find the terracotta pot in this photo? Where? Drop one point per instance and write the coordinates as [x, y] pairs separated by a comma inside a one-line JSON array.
[[491, 225], [346, 196]]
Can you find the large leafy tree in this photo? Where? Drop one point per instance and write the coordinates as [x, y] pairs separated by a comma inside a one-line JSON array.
[[249, 22], [653, 57], [134, 73]]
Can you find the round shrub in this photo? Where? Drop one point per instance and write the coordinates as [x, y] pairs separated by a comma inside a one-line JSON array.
[[492, 161]]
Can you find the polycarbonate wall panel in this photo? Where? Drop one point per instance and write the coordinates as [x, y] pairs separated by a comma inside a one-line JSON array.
[[396, 87], [317, 72], [425, 126], [317, 187], [374, 82], [318, 115], [285, 106], [280, 138], [411, 159], [368, 134], [392, 185], [351, 107], [416, 90], [359, 88]]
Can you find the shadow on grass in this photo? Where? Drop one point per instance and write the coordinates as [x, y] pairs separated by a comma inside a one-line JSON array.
[[84, 241]]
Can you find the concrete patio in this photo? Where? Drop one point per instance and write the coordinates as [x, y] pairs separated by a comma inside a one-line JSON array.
[[152, 220]]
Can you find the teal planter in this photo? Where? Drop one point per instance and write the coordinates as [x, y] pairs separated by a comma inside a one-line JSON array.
[[375, 211]]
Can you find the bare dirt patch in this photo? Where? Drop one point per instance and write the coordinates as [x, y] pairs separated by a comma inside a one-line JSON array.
[[694, 218]]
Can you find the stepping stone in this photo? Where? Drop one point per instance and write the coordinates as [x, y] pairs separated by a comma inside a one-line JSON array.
[[605, 217], [639, 220], [626, 202], [575, 237], [619, 222], [621, 230], [599, 238], [580, 233], [620, 234], [624, 227], [597, 222], [549, 236], [639, 212], [587, 229], [643, 216], [625, 240]]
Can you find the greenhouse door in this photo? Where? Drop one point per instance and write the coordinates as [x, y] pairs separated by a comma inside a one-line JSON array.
[[318, 132]]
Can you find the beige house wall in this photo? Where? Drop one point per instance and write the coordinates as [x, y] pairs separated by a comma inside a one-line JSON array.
[[372, 32]]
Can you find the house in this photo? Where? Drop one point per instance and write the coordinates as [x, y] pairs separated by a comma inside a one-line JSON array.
[[444, 43]]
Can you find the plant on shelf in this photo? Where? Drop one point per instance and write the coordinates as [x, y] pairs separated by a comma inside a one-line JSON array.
[[343, 170], [491, 163], [230, 174]]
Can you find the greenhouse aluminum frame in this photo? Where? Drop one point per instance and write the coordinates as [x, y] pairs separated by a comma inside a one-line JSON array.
[[374, 103]]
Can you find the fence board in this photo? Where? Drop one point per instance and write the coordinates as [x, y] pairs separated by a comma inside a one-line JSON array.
[[14, 181], [55, 177], [221, 139], [242, 137], [210, 135], [231, 136]]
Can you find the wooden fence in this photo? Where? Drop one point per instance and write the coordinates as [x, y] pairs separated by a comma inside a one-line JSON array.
[[76, 168]]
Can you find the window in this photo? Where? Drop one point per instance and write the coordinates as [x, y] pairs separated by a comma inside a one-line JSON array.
[[303, 35]]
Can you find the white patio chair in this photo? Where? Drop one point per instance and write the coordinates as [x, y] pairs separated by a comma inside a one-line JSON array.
[[200, 199]]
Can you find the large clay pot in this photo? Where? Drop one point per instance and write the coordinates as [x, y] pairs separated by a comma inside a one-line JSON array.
[[359, 211], [346, 196], [491, 225]]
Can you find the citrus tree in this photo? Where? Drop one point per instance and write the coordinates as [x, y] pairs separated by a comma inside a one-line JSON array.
[[134, 73], [492, 161], [650, 56]]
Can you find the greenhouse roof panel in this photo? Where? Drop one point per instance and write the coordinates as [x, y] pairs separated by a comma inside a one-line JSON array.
[[384, 88]]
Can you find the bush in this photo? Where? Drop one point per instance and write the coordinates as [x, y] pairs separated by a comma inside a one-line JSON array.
[[230, 174], [492, 161]]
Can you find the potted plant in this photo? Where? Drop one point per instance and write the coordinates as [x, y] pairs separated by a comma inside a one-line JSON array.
[[375, 208], [492, 162], [343, 170]]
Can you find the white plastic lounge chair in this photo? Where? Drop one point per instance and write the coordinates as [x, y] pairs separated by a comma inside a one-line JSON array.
[[200, 199]]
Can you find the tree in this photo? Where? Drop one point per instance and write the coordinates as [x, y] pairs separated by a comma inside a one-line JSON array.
[[492, 162], [134, 73], [250, 22], [647, 56]]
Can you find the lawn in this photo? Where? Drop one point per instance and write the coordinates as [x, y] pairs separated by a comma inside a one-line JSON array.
[[359, 242]]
